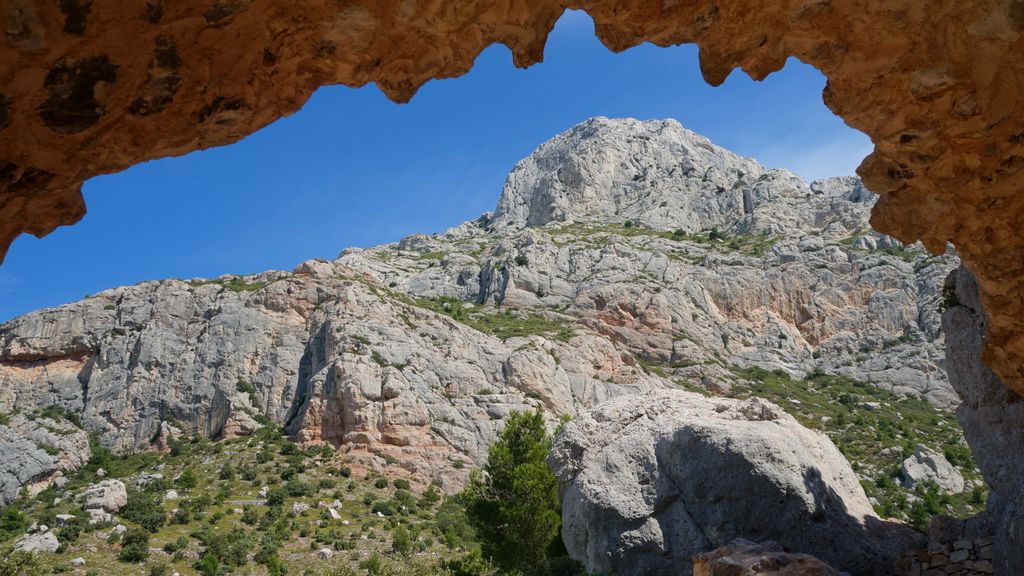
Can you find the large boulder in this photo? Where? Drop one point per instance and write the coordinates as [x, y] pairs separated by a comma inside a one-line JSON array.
[[927, 465], [648, 481], [38, 542], [108, 495]]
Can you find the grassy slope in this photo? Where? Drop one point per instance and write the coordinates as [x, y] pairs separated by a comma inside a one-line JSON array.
[[436, 528], [864, 420]]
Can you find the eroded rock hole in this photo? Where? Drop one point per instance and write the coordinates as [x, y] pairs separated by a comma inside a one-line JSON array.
[[75, 88]]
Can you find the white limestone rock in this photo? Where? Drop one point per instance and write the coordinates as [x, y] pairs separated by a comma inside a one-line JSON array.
[[38, 542], [108, 495], [37, 452], [927, 465], [649, 481], [353, 352]]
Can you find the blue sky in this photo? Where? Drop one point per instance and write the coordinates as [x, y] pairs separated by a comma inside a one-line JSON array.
[[354, 169]]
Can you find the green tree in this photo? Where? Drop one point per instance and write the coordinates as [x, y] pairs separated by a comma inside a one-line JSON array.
[[513, 504]]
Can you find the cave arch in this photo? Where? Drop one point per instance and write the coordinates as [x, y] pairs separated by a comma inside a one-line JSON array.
[[89, 87], [100, 87]]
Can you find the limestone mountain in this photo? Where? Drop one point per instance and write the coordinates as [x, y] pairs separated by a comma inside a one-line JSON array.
[[623, 257]]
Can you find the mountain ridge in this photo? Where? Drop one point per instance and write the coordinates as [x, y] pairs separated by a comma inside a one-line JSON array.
[[418, 349]]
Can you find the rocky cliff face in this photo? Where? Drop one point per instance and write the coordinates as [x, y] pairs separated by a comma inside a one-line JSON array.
[[992, 418], [36, 451], [91, 87], [623, 257]]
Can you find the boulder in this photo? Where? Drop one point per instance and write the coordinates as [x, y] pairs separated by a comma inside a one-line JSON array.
[[39, 542], [99, 516], [108, 495], [65, 519], [927, 465], [745, 558], [77, 562], [145, 478], [171, 495], [648, 481]]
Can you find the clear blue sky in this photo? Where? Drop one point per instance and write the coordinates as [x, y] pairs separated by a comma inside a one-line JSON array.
[[354, 169]]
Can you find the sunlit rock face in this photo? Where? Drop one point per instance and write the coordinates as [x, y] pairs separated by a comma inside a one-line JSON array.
[[93, 87], [647, 482], [417, 350]]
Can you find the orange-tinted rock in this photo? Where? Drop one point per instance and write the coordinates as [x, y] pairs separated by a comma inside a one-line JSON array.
[[745, 558], [88, 88]]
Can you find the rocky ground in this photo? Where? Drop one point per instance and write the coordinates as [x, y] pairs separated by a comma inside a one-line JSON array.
[[623, 258]]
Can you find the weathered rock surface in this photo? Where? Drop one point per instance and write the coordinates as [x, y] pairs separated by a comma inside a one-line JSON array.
[[38, 542], [955, 547], [992, 418], [745, 558], [417, 350], [108, 495], [648, 482], [91, 88], [927, 465], [36, 452]]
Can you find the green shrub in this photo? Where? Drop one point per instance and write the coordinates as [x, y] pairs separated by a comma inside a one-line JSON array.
[[400, 541], [134, 546], [276, 497], [188, 479], [383, 507], [145, 510]]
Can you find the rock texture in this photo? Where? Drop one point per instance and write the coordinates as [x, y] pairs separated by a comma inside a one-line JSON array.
[[955, 547], [745, 558], [38, 542], [927, 465], [646, 483], [623, 257], [94, 87], [37, 452], [992, 418], [108, 495]]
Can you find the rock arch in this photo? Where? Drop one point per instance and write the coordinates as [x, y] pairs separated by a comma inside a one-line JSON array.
[[93, 86]]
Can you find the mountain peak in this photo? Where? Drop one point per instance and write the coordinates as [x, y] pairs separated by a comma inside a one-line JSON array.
[[654, 173]]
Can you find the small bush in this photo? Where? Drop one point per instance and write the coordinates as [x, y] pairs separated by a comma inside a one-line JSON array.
[[134, 546]]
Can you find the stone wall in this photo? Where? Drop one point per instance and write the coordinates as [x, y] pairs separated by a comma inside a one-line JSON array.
[[955, 548]]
